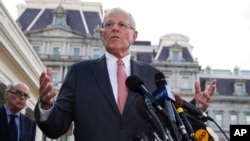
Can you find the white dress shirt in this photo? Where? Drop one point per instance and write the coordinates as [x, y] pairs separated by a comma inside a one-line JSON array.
[[112, 70]]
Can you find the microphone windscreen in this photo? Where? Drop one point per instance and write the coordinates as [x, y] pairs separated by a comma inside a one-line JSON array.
[[160, 79], [132, 82], [200, 131]]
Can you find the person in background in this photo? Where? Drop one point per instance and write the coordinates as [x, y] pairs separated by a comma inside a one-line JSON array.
[[22, 127], [89, 95]]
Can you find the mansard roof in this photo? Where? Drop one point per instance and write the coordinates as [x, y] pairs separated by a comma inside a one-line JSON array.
[[225, 86], [37, 19], [144, 57], [164, 53]]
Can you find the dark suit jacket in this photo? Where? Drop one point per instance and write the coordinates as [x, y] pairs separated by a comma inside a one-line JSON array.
[[28, 127], [87, 99]]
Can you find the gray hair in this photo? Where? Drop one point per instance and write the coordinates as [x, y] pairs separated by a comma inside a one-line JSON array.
[[131, 18]]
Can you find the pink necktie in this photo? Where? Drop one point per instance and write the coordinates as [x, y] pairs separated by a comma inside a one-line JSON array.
[[121, 86]]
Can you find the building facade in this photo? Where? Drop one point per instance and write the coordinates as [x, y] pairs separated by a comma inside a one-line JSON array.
[[56, 34], [18, 62]]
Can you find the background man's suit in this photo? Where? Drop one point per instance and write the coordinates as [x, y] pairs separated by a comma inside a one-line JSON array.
[[28, 127]]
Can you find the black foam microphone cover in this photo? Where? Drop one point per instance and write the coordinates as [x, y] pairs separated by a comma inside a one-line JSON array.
[[133, 82], [160, 79]]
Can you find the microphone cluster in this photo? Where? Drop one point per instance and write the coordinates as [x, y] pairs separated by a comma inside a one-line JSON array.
[[165, 111]]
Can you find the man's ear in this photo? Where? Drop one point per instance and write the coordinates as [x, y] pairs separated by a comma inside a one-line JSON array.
[[134, 36], [101, 33]]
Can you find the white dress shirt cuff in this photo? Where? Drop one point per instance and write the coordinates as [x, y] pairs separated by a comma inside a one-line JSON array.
[[44, 114]]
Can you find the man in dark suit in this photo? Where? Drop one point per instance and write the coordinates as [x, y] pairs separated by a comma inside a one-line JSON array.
[[16, 96], [89, 94]]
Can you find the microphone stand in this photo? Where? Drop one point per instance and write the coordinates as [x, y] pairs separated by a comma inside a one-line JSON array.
[[173, 130], [181, 126], [156, 120], [186, 123]]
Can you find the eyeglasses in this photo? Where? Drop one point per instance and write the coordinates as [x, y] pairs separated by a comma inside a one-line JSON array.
[[20, 94], [121, 25]]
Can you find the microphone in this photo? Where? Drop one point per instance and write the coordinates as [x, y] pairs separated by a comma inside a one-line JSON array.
[[181, 126], [135, 84], [184, 118], [163, 90], [144, 113], [192, 109], [165, 96], [203, 133]]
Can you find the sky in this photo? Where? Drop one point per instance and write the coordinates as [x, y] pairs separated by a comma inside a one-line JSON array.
[[219, 30]]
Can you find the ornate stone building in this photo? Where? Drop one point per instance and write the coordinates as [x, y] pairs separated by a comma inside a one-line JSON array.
[[49, 33]]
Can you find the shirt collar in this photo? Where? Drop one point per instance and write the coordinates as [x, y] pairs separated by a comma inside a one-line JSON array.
[[112, 59], [8, 111]]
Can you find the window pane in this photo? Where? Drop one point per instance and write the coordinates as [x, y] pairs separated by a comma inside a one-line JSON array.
[[239, 89], [76, 52], [233, 119], [175, 56], [185, 82], [97, 35], [247, 119], [59, 21], [36, 49], [96, 53], [56, 51], [218, 118]]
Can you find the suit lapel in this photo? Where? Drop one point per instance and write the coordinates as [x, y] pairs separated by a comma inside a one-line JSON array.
[[3, 124], [136, 69], [100, 72]]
